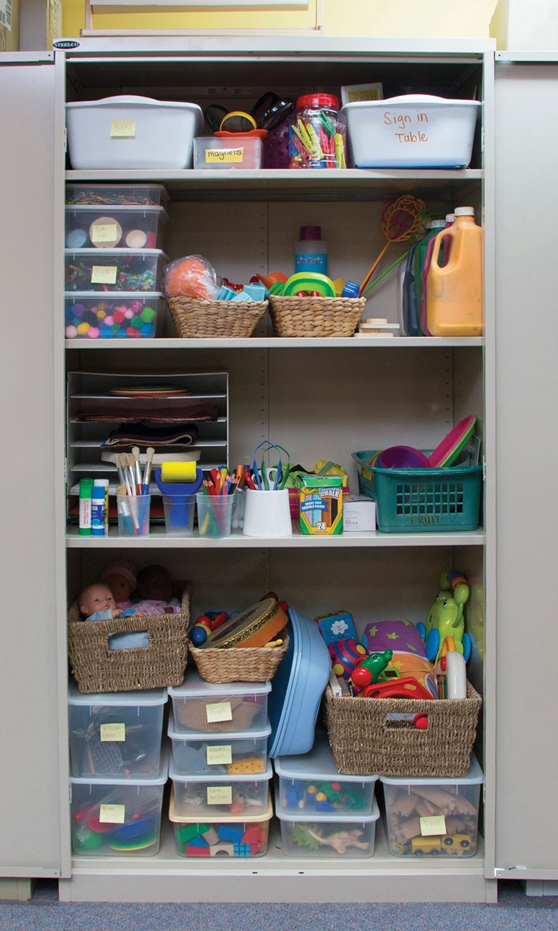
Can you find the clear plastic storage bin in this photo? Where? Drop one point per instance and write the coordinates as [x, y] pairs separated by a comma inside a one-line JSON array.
[[114, 315], [320, 836], [433, 817], [208, 755], [114, 269], [311, 783], [228, 152], [116, 734], [115, 227], [111, 818], [117, 195], [224, 837], [207, 708], [215, 795]]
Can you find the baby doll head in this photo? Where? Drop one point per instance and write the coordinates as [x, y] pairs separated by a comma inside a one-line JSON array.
[[120, 578], [96, 597], [154, 583]]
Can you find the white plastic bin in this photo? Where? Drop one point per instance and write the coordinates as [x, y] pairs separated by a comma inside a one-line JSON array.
[[116, 734], [114, 315], [201, 754], [411, 131], [114, 269], [433, 817], [116, 195], [208, 708], [227, 836], [228, 152], [128, 131], [216, 795], [111, 818], [89, 227], [321, 836]]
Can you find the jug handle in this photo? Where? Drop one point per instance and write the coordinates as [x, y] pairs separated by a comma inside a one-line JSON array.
[[438, 240]]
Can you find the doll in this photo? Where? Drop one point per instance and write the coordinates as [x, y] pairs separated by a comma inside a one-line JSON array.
[[154, 586], [96, 602], [121, 579]]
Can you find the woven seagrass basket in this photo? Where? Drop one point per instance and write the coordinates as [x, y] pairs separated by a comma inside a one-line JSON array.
[[365, 741], [239, 664], [195, 319], [96, 668], [315, 316]]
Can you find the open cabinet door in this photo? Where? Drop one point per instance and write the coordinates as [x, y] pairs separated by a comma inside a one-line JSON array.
[[526, 214], [29, 723]]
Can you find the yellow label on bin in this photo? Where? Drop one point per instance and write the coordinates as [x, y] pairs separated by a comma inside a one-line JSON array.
[[103, 274], [220, 711], [104, 232], [113, 732], [219, 795], [220, 754], [122, 129], [432, 824], [213, 156], [112, 814]]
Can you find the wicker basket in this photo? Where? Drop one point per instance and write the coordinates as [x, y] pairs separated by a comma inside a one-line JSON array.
[[96, 668], [195, 319], [315, 316], [364, 742], [248, 664]]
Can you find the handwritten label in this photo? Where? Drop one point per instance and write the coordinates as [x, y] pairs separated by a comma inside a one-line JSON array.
[[219, 795], [224, 155], [122, 129], [104, 232], [113, 732], [103, 274], [407, 125], [432, 824], [112, 814], [221, 711], [220, 754]]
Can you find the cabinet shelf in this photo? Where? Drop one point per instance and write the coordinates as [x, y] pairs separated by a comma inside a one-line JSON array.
[[278, 342], [159, 539]]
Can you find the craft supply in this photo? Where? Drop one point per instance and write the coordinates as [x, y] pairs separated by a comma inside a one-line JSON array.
[[311, 251], [359, 514], [178, 482], [150, 452], [85, 496], [454, 292], [105, 233], [104, 483], [317, 133], [267, 513], [321, 504], [97, 511]]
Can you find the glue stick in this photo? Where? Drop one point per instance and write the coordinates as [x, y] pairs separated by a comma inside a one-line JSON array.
[[85, 490], [104, 483], [98, 510]]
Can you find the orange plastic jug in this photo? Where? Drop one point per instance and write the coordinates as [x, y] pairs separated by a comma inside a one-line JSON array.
[[454, 300]]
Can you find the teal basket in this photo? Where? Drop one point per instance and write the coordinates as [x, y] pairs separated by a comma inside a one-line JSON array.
[[421, 500]]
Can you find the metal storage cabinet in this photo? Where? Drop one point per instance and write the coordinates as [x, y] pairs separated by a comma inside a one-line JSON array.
[[527, 503]]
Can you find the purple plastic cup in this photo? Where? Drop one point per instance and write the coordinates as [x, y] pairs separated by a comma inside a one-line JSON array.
[[402, 457]]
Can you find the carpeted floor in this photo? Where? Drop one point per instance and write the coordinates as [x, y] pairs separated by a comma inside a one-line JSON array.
[[514, 912]]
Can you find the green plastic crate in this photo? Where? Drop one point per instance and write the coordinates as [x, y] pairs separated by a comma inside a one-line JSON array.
[[421, 500]]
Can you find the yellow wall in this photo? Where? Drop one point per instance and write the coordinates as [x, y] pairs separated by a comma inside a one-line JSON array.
[[469, 18]]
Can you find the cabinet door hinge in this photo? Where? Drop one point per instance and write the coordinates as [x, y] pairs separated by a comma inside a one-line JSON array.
[[65, 139]]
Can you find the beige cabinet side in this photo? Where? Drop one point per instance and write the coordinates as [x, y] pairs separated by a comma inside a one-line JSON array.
[[29, 731], [527, 451]]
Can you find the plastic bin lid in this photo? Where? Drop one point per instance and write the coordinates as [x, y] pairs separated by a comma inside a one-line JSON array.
[[429, 100], [318, 764], [196, 687], [126, 189], [158, 780], [116, 295], [475, 776], [331, 816], [147, 697], [106, 253], [298, 687], [114, 208], [221, 777], [213, 737], [229, 819]]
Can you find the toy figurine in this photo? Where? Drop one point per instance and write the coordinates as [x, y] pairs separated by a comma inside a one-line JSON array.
[[96, 602], [368, 670], [445, 617]]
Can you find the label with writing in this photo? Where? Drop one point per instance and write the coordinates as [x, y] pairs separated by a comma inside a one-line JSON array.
[[219, 795], [113, 732], [122, 129], [432, 824], [220, 754], [103, 274], [104, 232], [220, 711], [407, 125], [212, 156], [112, 814]]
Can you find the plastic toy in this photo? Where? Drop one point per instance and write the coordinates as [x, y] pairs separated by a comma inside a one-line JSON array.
[[338, 626], [345, 655], [369, 669], [309, 283], [313, 837], [97, 603], [451, 672], [121, 578], [445, 617], [191, 276], [407, 687], [206, 624]]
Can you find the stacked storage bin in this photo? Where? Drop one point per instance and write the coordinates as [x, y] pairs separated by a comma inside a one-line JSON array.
[[114, 261], [322, 813], [118, 772], [220, 804]]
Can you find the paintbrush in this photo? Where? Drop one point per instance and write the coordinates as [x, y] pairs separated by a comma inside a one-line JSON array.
[[147, 471], [137, 468]]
